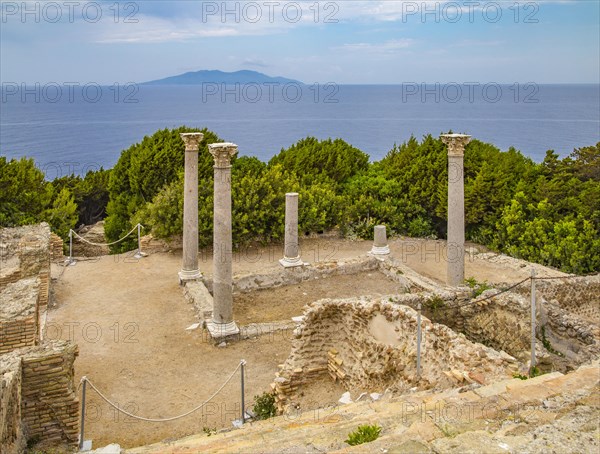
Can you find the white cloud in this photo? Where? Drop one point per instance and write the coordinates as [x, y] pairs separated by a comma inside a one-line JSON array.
[[386, 47]]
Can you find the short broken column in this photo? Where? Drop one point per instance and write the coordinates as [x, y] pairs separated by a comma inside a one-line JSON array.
[[189, 270], [222, 325], [291, 251], [455, 249], [380, 244]]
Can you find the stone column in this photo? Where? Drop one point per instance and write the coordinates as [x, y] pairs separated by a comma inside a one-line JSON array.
[[455, 250], [380, 245], [222, 324], [291, 255], [189, 270]]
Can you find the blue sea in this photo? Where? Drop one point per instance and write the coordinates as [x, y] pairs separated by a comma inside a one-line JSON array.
[[69, 128]]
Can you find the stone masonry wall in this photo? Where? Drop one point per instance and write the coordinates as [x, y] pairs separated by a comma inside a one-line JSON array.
[[56, 248], [49, 402], [25, 253], [578, 295], [38, 399], [371, 345], [11, 433], [19, 314]]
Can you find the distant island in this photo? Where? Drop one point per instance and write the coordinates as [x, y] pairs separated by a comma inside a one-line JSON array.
[[220, 77]]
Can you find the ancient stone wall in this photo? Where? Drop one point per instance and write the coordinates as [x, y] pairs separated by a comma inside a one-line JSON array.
[[19, 314], [502, 322], [49, 403], [56, 248], [11, 433], [25, 253], [371, 346], [578, 295], [37, 396], [290, 276]]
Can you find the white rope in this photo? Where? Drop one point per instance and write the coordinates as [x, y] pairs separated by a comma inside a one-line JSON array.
[[106, 244], [116, 407]]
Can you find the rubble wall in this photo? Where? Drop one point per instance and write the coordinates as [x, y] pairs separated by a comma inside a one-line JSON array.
[[11, 433], [19, 314], [371, 345], [49, 402]]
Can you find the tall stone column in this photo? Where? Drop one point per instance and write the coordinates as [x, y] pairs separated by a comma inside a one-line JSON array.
[[291, 254], [222, 324], [455, 250], [189, 270]]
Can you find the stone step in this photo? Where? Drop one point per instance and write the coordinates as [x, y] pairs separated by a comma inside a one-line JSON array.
[[411, 423]]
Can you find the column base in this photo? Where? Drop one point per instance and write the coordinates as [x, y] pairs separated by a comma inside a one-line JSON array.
[[380, 250], [287, 262], [189, 275], [222, 331]]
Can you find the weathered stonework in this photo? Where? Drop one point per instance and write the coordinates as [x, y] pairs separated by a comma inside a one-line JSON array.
[[49, 403], [37, 396], [189, 268], [371, 345], [221, 325], [456, 208], [291, 254], [19, 325], [12, 440]]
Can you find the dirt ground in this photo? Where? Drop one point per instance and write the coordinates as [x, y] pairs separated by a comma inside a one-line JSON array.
[[282, 303], [129, 318]]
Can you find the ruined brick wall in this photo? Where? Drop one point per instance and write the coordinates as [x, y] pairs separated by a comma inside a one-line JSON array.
[[502, 322], [56, 248], [371, 346], [11, 433], [19, 314], [25, 253], [38, 398], [292, 276], [578, 295], [49, 403]]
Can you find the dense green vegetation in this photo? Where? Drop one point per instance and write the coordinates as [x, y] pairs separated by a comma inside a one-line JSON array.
[[546, 212], [26, 198]]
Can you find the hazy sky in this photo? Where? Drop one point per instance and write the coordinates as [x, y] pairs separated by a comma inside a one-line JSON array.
[[361, 42]]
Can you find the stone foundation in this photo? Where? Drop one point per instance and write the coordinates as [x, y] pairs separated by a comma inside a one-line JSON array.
[[19, 314], [38, 399], [49, 403], [371, 346], [56, 248], [11, 431]]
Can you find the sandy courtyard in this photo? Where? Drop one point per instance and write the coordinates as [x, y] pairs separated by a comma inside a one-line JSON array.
[[129, 319]]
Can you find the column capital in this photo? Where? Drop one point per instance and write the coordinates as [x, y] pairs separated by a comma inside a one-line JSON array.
[[222, 153], [191, 140], [456, 143]]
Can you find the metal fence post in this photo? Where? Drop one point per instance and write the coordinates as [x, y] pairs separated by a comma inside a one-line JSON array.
[[242, 369], [138, 254], [70, 260], [533, 361], [419, 341], [82, 423]]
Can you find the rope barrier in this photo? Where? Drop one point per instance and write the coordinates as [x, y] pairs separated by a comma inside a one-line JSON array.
[[116, 407], [570, 276], [491, 296], [106, 244]]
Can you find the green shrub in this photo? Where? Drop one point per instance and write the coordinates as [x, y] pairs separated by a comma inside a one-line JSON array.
[[364, 434], [478, 287], [315, 160], [264, 406]]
